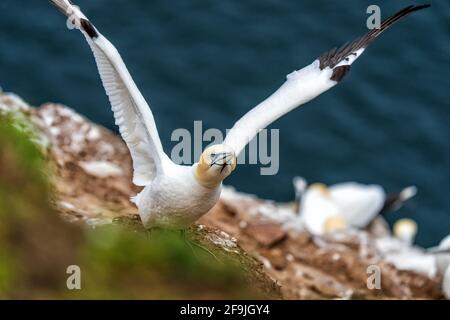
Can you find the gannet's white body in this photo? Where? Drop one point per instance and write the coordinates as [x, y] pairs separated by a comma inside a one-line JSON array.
[[324, 209], [186, 202], [175, 196]]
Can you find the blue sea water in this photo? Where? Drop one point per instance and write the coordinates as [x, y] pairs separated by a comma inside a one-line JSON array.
[[388, 122]]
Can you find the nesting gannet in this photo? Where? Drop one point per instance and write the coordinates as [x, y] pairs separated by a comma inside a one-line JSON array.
[[400, 251], [442, 255], [405, 230], [175, 196], [326, 209]]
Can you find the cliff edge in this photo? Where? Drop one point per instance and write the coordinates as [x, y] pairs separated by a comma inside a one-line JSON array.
[[89, 178]]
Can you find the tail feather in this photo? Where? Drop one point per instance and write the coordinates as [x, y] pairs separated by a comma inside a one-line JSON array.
[[408, 193]]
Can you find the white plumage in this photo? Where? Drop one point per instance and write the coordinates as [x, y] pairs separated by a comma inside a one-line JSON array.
[[300, 87], [316, 209], [442, 255], [175, 196], [345, 205], [355, 204], [359, 203], [131, 112], [405, 230]]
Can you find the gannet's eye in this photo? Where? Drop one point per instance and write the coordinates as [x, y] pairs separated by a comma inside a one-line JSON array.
[[212, 155]]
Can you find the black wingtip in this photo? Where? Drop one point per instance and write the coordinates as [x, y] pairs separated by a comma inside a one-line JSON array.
[[336, 55], [340, 72], [89, 28], [423, 6], [410, 9]]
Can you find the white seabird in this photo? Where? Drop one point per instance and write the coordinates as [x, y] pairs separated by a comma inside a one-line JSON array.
[[442, 255], [405, 230], [175, 196], [326, 209], [400, 251]]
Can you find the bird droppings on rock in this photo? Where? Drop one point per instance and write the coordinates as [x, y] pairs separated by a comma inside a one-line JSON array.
[[67, 205], [101, 169], [223, 242], [243, 224]]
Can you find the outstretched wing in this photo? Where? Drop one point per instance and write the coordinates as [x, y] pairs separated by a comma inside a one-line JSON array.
[[131, 111], [304, 85]]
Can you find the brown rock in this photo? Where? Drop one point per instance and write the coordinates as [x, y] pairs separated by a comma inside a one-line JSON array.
[[267, 234]]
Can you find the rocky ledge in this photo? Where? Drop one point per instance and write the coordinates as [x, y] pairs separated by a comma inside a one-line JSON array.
[[90, 178]]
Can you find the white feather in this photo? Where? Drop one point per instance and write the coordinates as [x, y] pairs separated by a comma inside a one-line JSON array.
[[131, 112], [300, 87], [358, 203], [315, 209]]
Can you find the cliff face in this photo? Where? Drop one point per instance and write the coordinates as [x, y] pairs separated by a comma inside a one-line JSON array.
[[90, 187]]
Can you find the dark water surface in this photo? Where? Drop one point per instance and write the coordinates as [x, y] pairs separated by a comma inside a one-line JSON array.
[[212, 60]]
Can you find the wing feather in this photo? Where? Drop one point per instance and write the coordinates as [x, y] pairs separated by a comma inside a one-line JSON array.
[[304, 85], [131, 112], [358, 203], [136, 125]]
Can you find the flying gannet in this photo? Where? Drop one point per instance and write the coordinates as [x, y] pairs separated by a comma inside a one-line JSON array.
[[324, 209], [175, 196]]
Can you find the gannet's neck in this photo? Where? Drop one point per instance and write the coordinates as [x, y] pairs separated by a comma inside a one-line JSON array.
[[205, 178], [215, 164]]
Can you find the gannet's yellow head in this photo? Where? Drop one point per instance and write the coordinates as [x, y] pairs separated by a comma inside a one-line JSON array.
[[320, 187], [405, 230], [215, 164], [334, 224]]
